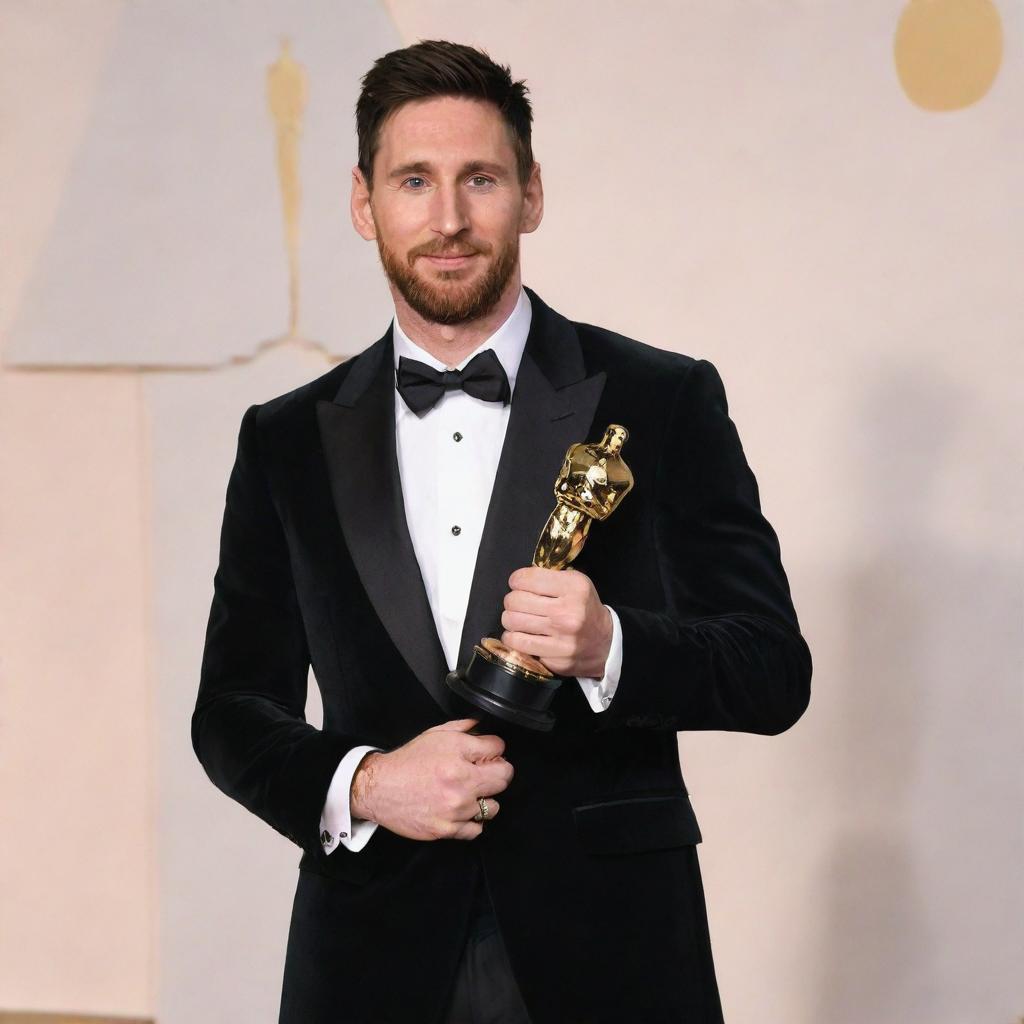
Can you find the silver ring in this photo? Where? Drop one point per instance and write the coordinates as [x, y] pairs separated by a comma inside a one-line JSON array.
[[483, 813]]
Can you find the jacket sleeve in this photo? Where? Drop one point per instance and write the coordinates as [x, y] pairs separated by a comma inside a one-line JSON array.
[[248, 728], [725, 650]]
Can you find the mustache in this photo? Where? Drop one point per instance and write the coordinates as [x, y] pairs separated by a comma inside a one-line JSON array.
[[465, 248]]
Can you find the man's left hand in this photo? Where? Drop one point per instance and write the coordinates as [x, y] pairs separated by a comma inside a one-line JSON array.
[[557, 616]]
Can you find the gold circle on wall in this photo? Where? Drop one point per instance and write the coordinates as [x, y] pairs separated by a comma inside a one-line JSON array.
[[948, 52]]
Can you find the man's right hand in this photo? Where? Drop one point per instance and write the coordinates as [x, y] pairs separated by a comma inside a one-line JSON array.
[[428, 788]]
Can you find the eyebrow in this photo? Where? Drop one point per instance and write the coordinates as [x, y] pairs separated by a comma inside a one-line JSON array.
[[473, 167]]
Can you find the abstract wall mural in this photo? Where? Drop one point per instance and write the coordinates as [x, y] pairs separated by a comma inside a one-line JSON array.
[[180, 169], [948, 52]]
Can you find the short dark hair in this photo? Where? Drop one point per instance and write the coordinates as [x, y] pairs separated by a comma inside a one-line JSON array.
[[436, 67]]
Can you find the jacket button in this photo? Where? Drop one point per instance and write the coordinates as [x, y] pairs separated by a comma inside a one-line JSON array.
[[456, 530]]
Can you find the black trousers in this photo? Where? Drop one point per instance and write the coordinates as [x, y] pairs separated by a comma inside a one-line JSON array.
[[484, 990]]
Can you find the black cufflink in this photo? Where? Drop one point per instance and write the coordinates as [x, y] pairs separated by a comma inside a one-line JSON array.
[[325, 837]]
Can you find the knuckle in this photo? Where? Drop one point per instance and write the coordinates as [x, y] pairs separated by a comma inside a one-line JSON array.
[[436, 830], [567, 622]]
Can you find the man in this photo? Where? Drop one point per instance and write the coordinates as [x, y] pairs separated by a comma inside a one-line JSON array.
[[382, 519]]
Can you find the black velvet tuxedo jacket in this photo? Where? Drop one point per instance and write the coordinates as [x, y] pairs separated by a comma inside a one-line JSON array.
[[591, 865]]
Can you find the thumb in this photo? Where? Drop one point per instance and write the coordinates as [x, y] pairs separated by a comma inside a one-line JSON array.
[[456, 725]]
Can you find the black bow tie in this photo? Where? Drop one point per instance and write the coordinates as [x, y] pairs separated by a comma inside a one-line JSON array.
[[421, 386]]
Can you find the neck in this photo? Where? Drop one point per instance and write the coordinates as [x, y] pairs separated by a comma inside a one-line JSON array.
[[451, 343]]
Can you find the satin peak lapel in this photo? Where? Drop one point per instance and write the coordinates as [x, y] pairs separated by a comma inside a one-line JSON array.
[[357, 431]]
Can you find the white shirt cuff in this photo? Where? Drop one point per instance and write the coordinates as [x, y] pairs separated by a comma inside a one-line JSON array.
[[337, 826], [599, 692]]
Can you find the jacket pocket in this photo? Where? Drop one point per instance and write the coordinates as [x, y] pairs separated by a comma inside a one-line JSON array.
[[630, 825]]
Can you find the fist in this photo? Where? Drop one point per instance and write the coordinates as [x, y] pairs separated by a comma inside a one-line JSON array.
[[557, 616], [428, 788]]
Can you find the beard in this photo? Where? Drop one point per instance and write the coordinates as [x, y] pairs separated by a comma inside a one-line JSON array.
[[448, 301]]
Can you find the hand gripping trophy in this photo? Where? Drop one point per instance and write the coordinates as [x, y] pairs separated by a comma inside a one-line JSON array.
[[517, 687]]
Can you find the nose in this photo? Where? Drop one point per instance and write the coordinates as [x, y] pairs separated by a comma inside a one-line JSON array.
[[450, 213]]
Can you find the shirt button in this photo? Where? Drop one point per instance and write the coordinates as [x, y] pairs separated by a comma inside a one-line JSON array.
[[606, 701], [457, 436], [456, 530], [343, 835]]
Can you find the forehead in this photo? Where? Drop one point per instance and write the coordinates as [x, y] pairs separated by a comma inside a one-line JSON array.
[[445, 128]]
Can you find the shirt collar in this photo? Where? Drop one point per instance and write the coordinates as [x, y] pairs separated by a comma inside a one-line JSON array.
[[508, 342]]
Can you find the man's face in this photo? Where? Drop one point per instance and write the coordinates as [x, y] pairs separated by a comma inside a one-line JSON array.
[[447, 207]]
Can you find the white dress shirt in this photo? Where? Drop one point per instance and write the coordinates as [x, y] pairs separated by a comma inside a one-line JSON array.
[[447, 460]]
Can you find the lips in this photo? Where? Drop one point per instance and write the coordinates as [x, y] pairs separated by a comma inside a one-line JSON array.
[[451, 261]]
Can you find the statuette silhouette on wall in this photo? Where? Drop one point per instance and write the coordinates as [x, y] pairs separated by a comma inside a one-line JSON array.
[[287, 93]]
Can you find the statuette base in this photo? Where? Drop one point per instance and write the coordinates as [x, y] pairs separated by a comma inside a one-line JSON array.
[[508, 685]]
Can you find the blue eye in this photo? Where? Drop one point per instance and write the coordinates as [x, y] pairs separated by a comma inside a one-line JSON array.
[[411, 182], [479, 180]]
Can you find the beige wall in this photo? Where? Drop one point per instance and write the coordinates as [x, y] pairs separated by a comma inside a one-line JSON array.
[[77, 865], [748, 183]]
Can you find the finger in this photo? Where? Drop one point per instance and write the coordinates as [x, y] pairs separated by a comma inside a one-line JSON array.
[[525, 601], [492, 778], [538, 646], [523, 622], [480, 748], [468, 830], [472, 809], [456, 725], [545, 582]]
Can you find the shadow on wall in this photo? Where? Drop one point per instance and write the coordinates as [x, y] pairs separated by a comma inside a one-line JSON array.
[[924, 767]]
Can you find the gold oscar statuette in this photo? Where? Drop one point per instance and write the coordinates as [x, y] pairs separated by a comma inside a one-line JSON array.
[[517, 687]]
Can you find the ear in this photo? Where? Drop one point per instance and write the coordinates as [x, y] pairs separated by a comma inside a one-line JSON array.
[[533, 202], [362, 214]]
